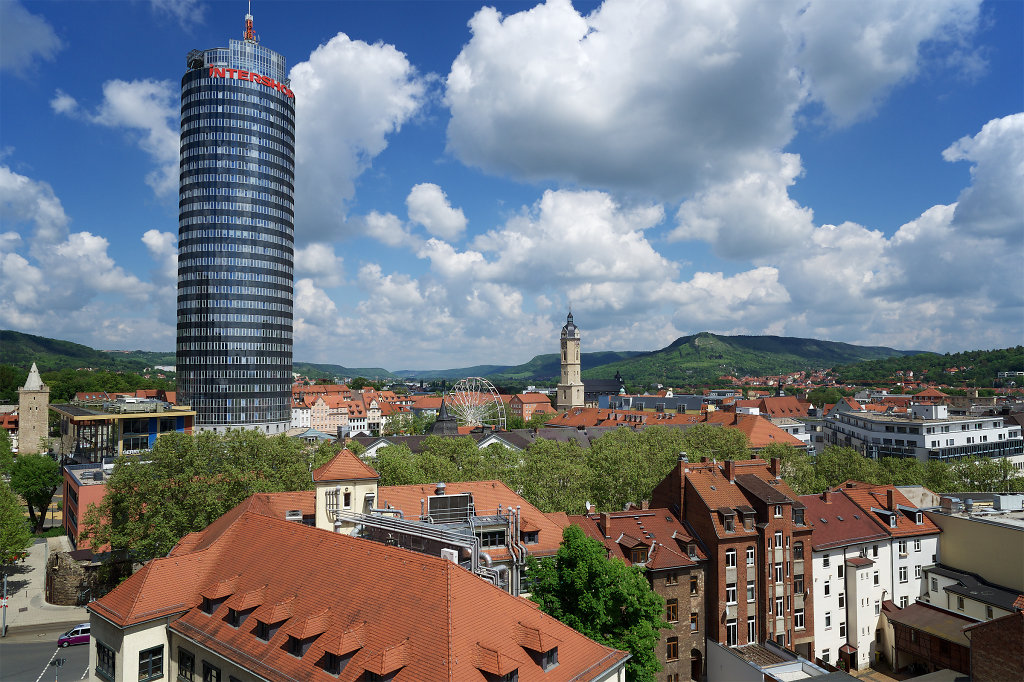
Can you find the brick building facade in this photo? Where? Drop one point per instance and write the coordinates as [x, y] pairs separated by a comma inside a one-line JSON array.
[[754, 529]]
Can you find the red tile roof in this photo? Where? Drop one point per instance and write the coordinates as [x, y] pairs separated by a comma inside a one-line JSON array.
[[345, 466], [868, 497], [839, 522], [392, 609], [759, 431], [661, 531]]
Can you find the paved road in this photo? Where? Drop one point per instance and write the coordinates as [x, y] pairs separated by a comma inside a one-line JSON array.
[[25, 657]]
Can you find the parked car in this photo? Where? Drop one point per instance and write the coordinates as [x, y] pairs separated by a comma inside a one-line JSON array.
[[76, 635]]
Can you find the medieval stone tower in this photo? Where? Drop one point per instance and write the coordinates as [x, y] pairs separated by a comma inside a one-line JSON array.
[[33, 413], [570, 388]]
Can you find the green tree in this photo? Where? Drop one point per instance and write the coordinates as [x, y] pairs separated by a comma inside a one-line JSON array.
[[187, 481], [6, 455], [36, 478], [900, 471], [826, 395], [837, 464], [553, 476], [15, 535], [538, 420], [603, 598], [625, 465], [797, 467], [715, 442]]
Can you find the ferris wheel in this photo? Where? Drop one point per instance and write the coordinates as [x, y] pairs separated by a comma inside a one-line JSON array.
[[474, 401]]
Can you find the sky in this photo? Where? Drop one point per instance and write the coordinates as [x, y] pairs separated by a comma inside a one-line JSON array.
[[466, 173]]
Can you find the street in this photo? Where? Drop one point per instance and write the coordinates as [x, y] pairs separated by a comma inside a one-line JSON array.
[[26, 657]]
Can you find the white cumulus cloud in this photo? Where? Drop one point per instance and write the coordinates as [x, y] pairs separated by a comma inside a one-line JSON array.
[[428, 206]]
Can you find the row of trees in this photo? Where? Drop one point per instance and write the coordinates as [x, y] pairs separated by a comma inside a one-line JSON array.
[[188, 481], [65, 383]]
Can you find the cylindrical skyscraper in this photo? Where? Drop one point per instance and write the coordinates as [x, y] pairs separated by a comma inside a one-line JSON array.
[[235, 237]]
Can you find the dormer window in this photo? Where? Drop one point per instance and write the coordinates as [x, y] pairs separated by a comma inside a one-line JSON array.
[[333, 663], [918, 518], [298, 647], [236, 617], [798, 517], [691, 550], [208, 605], [892, 520], [638, 555], [530, 537], [266, 631]]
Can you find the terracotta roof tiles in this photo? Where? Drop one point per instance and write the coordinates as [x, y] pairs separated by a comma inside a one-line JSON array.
[[345, 466]]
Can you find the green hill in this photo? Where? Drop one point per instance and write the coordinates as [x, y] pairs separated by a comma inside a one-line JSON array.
[[974, 367], [702, 358], [315, 371], [21, 350]]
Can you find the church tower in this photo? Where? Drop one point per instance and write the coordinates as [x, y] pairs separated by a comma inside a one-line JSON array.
[[33, 413], [570, 388]]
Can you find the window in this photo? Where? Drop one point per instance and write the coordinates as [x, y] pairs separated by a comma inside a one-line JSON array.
[[778, 539], [750, 590], [842, 629], [840, 568], [935, 585], [751, 629], [825, 655], [186, 665], [798, 517], [778, 572], [903, 602], [691, 550], [105, 661], [549, 659], [798, 550], [798, 583], [828, 619], [693, 621], [874, 577], [874, 551], [693, 584], [903, 546], [236, 618], [347, 500], [917, 571], [672, 610], [638, 555], [825, 561], [778, 511], [798, 619], [151, 663], [730, 632], [778, 606], [878, 607], [842, 600], [988, 612], [673, 579], [672, 648], [333, 663], [917, 545], [903, 574], [828, 588], [750, 556], [730, 558], [210, 673], [960, 603], [730, 593], [730, 524]]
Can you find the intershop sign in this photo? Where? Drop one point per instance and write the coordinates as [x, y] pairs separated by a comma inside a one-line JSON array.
[[241, 75]]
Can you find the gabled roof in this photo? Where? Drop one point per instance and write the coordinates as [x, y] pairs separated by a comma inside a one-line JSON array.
[[662, 532], [345, 466], [392, 609], [783, 406], [759, 431], [532, 398], [838, 522], [875, 497]]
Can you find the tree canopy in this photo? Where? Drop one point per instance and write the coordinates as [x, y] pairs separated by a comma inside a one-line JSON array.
[[187, 481], [36, 478], [15, 536], [603, 598]]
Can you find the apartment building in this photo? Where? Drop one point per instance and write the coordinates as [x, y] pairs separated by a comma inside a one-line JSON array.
[[927, 432], [757, 535], [675, 566]]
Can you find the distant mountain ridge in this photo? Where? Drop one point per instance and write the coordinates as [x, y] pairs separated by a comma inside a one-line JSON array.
[[697, 358]]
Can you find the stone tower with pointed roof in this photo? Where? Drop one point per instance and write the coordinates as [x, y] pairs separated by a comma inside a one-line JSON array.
[[33, 414], [570, 388]]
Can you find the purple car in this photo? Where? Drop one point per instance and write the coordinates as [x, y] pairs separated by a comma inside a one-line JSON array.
[[76, 635]]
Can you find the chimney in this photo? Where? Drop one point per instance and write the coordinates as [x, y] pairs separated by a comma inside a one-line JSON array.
[[775, 468], [604, 524], [827, 497], [889, 502], [730, 472]]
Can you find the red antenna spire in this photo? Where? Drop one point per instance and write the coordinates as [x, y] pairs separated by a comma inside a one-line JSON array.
[[250, 35]]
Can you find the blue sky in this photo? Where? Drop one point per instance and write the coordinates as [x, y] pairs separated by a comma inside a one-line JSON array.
[[466, 172]]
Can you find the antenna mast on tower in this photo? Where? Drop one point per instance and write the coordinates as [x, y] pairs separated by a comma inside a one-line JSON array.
[[250, 35]]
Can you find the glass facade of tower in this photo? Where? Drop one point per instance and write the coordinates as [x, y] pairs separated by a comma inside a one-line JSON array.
[[235, 238]]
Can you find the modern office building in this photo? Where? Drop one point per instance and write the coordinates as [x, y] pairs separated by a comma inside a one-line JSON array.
[[235, 237]]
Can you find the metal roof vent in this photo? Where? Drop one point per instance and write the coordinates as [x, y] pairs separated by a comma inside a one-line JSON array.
[[439, 490], [293, 515]]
